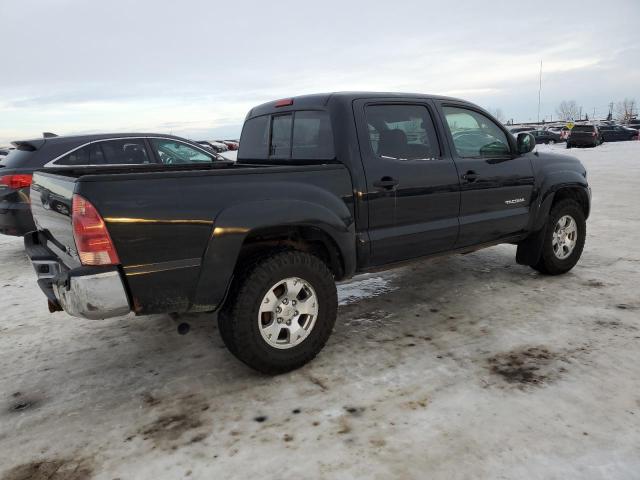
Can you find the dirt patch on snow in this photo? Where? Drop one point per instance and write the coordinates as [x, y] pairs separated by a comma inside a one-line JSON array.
[[532, 366], [176, 426], [51, 469]]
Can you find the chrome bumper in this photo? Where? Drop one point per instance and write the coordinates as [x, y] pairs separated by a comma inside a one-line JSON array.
[[87, 292], [94, 297]]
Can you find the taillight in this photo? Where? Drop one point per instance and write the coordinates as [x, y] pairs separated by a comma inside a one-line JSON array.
[[593, 134], [91, 235], [16, 181]]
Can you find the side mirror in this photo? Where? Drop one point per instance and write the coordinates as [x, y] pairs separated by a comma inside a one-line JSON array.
[[526, 142]]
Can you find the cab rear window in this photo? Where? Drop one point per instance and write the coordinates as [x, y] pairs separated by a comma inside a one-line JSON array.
[[300, 135]]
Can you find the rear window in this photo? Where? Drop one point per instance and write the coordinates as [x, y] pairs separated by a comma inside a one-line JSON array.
[[300, 135], [583, 128], [17, 158]]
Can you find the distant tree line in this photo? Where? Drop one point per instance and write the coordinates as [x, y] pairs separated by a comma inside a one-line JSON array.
[[568, 110], [624, 110]]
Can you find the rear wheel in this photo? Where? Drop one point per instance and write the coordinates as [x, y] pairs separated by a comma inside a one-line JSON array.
[[564, 238], [282, 314]]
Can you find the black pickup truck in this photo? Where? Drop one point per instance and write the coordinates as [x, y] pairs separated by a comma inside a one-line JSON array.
[[325, 186]]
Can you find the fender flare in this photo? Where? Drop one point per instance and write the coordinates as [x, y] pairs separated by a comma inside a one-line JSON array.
[[235, 223], [530, 249], [550, 186]]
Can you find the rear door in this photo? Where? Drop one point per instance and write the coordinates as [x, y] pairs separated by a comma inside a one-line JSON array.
[[496, 184], [412, 183]]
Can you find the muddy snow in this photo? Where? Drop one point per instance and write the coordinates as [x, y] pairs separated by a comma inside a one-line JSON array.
[[460, 367]]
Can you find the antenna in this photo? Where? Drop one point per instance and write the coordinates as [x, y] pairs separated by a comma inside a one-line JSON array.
[[539, 90]]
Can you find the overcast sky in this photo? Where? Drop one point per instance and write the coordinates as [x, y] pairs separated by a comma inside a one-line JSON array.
[[195, 67]]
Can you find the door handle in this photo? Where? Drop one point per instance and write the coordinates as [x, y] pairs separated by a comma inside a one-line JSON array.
[[386, 183], [470, 176]]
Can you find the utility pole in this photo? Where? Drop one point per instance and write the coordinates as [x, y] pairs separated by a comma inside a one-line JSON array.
[[594, 114], [580, 116], [539, 90]]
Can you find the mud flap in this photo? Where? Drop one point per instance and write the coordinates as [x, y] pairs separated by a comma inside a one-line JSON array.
[[530, 249]]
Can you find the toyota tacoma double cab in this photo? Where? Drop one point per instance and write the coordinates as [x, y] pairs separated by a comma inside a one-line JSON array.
[[325, 186]]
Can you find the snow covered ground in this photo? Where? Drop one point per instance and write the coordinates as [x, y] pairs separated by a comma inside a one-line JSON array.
[[456, 368]]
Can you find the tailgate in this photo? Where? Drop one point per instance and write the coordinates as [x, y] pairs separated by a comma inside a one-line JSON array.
[[51, 198], [582, 134]]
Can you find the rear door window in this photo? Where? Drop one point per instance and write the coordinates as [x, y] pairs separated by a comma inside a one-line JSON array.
[[122, 152], [404, 132]]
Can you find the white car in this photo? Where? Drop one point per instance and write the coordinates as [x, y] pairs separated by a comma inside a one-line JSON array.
[[230, 155]]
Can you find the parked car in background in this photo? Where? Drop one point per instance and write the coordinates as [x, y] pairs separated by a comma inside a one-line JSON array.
[[584, 136], [635, 124], [325, 186], [546, 136], [616, 133], [215, 146], [16, 169], [517, 130], [231, 144]]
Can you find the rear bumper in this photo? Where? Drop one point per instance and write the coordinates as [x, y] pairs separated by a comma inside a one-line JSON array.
[[15, 218], [94, 293]]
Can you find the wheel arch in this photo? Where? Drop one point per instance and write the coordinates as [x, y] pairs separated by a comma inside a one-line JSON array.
[[246, 230], [558, 187], [530, 249]]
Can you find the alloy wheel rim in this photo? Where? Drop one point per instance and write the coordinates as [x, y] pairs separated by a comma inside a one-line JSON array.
[[288, 313], [565, 237]]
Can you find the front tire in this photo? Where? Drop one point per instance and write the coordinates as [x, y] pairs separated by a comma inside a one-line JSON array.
[[564, 238], [282, 314]]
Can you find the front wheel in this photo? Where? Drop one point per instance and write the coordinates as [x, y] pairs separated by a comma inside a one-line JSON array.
[[564, 238], [282, 314]]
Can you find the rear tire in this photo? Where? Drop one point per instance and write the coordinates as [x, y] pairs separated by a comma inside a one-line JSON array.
[[244, 321], [559, 253]]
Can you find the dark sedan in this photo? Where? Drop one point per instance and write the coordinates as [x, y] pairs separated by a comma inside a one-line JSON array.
[[17, 167], [546, 136], [617, 133]]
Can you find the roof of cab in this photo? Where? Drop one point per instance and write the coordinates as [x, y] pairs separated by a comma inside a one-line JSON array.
[[321, 100]]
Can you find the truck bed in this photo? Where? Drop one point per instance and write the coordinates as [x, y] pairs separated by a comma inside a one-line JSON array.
[[164, 220]]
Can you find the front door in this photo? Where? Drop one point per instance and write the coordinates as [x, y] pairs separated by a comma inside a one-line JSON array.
[[412, 184], [496, 183]]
